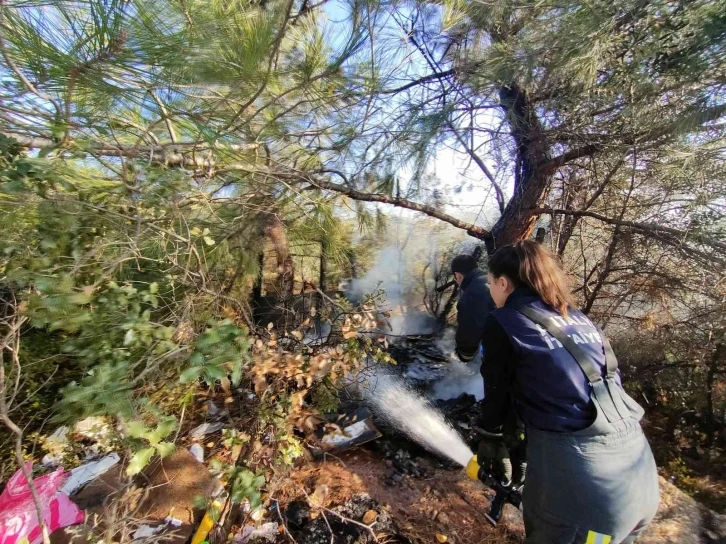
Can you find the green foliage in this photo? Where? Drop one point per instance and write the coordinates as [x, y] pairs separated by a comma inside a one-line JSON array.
[[154, 437], [325, 398], [222, 349], [244, 484]]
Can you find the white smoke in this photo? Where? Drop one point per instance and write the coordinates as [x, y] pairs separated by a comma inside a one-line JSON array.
[[386, 273]]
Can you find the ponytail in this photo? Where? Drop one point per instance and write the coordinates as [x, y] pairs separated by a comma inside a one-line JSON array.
[[527, 263]]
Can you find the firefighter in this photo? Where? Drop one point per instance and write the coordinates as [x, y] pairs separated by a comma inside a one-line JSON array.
[[591, 477], [473, 306]]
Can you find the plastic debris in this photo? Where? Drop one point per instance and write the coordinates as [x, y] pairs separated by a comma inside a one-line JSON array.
[[204, 429], [258, 513], [18, 516], [173, 521], [93, 428], [266, 531], [197, 451], [206, 525], [55, 444], [80, 476], [212, 409], [345, 430], [145, 531]]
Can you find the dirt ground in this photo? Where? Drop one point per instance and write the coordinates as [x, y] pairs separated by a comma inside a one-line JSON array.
[[441, 505], [447, 503]]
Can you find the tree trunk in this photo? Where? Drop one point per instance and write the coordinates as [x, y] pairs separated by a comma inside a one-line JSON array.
[[710, 383], [274, 229], [323, 256], [531, 178]]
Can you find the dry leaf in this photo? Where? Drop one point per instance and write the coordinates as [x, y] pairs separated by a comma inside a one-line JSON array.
[[319, 495], [270, 325], [260, 384], [350, 334], [369, 517], [441, 538], [226, 384]]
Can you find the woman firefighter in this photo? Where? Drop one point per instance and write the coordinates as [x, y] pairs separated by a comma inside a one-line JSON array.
[[591, 477]]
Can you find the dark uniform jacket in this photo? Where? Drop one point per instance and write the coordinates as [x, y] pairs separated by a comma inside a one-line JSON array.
[[525, 364], [475, 304]]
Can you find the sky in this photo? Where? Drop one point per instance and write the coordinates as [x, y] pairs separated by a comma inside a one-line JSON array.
[[468, 194]]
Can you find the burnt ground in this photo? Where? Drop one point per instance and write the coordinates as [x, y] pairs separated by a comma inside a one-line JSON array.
[[431, 501]]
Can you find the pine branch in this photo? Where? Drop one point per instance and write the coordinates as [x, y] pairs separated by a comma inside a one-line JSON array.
[[471, 229], [16, 70], [677, 234], [419, 81], [318, 183], [483, 167], [687, 122], [187, 154]]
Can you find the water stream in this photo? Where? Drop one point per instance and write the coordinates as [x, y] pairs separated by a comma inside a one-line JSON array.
[[403, 408]]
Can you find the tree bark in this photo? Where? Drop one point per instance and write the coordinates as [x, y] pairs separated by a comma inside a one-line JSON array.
[[274, 230], [531, 180], [710, 383]]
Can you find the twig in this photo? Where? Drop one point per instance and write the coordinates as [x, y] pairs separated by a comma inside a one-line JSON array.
[[283, 523], [354, 522], [13, 336], [332, 534], [328, 454], [341, 516], [165, 116]]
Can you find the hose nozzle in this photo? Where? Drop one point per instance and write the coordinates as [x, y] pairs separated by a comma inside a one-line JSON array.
[[472, 469]]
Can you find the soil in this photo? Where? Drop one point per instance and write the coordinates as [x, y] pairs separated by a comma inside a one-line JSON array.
[[402, 498], [442, 501]]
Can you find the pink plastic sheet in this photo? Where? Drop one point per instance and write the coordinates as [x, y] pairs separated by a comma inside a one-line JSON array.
[[18, 517]]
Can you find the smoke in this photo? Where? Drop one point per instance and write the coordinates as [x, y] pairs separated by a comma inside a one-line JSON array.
[[397, 270], [411, 322], [386, 273]]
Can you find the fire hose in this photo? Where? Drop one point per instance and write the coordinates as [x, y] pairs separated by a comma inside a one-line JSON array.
[[504, 493]]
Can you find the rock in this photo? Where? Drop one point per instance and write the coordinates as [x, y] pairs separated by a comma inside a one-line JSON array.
[[682, 520], [369, 517]]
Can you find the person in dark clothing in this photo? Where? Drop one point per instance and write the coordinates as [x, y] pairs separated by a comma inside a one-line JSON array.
[[473, 306], [591, 477]]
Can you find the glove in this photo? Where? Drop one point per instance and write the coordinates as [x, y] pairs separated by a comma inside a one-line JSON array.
[[493, 457], [518, 455]]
